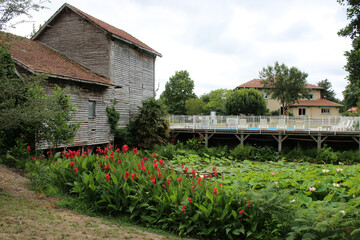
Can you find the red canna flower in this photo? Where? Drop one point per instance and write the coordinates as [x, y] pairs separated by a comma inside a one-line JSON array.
[[189, 200], [168, 181], [107, 176], [210, 176], [199, 181], [183, 208], [161, 162], [110, 146], [99, 165], [215, 190], [136, 151], [28, 148], [76, 170], [148, 171], [119, 161], [241, 212], [72, 164], [118, 150], [163, 185], [215, 174], [204, 175], [214, 169], [182, 165], [186, 169], [152, 177], [249, 203], [98, 149], [125, 148], [56, 162], [49, 152], [193, 172], [89, 151], [155, 166], [193, 187], [159, 174], [154, 155], [126, 175], [133, 176], [107, 167]]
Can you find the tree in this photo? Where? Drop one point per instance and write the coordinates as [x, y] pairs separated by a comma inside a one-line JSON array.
[[352, 30], [286, 85], [60, 127], [245, 101], [194, 106], [10, 9], [151, 126], [27, 112], [178, 89], [328, 93], [216, 101]]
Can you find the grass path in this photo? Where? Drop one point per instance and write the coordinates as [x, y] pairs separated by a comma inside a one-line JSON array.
[[26, 215]]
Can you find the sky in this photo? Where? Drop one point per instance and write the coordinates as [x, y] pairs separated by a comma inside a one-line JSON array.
[[224, 43]]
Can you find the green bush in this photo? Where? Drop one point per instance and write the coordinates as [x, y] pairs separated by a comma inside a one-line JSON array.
[[241, 152], [327, 155]]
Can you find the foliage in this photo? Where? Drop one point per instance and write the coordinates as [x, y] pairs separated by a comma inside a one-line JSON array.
[[245, 101], [288, 86], [194, 106], [328, 93], [352, 30], [215, 101], [60, 127], [113, 117], [10, 9], [178, 89], [150, 125], [327, 155]]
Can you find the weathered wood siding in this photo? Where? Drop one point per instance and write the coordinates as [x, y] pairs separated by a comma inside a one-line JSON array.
[[134, 71], [92, 131], [79, 40]]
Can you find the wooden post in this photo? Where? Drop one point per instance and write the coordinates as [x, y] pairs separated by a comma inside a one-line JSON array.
[[207, 137], [280, 139], [357, 140], [319, 140], [242, 138]]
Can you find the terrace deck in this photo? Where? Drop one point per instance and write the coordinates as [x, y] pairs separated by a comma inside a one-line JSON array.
[[319, 132]]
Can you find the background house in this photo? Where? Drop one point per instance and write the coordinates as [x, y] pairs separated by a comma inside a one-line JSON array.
[[95, 62], [315, 106]]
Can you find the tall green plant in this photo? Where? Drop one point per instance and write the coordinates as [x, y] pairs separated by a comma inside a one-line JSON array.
[[151, 126]]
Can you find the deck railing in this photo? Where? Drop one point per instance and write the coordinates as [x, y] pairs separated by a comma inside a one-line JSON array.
[[330, 123]]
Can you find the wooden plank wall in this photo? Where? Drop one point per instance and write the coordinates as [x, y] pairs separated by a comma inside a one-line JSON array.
[[80, 41], [134, 71], [92, 131]]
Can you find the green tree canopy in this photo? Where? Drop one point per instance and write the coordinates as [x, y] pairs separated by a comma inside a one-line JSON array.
[[150, 126], [288, 86], [245, 101], [10, 9], [216, 101], [28, 112], [178, 89], [328, 93], [352, 30], [194, 106]]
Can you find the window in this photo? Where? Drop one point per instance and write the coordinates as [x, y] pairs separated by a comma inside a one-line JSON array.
[[325, 111], [311, 96], [302, 111], [92, 109]]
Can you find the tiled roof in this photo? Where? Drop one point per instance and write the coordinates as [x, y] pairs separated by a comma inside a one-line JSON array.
[[316, 103], [256, 83], [107, 27], [38, 58]]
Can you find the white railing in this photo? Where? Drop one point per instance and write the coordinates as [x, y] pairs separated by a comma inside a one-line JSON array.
[[307, 123]]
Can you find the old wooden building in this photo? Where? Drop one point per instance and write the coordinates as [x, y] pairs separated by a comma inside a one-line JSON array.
[[96, 63]]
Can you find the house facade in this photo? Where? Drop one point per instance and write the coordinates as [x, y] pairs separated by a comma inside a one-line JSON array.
[[315, 106], [95, 63]]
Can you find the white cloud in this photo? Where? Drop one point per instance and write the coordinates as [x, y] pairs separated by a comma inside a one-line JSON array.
[[225, 43]]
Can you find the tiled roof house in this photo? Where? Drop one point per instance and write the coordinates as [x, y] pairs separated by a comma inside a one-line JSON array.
[[316, 106], [95, 62]]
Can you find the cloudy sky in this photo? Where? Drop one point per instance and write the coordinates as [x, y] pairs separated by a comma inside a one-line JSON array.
[[224, 43]]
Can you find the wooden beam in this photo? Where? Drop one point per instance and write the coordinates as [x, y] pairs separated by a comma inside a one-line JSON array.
[[319, 140], [242, 138], [357, 140], [207, 137], [280, 139]]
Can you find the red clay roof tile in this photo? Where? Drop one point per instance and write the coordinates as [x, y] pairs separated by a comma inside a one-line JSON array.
[[42, 59], [316, 103], [256, 83]]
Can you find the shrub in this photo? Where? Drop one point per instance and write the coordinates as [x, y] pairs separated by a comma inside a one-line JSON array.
[[241, 152], [327, 155]]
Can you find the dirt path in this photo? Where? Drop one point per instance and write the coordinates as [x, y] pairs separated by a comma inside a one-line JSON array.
[[24, 215]]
